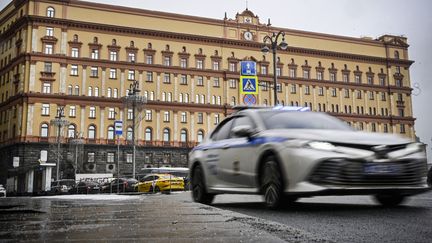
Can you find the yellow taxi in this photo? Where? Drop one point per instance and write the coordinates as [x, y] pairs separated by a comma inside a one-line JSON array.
[[160, 183]]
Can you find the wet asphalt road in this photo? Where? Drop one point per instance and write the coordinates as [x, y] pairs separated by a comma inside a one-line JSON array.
[[346, 218], [231, 218]]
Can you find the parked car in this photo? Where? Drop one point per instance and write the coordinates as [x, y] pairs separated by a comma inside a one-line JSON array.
[[2, 191], [160, 183], [123, 184], [285, 155], [62, 186], [87, 187]]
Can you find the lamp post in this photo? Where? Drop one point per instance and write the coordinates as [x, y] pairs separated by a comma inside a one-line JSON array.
[[274, 43], [59, 122], [136, 101]]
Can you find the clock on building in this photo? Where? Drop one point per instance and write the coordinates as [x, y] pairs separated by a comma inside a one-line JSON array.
[[247, 20], [248, 35]]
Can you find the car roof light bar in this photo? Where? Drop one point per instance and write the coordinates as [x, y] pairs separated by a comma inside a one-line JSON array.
[[291, 108]]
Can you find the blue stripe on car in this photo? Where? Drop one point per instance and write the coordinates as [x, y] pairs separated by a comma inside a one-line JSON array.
[[237, 143]]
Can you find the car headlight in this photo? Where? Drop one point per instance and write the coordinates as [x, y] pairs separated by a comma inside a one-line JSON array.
[[414, 147], [321, 146]]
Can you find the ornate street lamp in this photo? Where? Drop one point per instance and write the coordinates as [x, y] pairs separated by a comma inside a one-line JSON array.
[[272, 41], [59, 122], [136, 101]]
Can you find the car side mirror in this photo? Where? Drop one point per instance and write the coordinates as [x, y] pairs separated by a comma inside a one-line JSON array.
[[243, 131]]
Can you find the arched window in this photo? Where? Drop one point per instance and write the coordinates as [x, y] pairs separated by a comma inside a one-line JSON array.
[[110, 133], [148, 134], [96, 91], [200, 136], [163, 96], [115, 93], [90, 91], [233, 101], [166, 135], [70, 89], [71, 131], [109, 92], [129, 134], [180, 97], [183, 136], [50, 12], [44, 130], [169, 97], [186, 98], [202, 99], [76, 90], [396, 54], [91, 132]]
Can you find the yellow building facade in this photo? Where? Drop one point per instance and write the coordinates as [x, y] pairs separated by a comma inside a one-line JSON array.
[[83, 57]]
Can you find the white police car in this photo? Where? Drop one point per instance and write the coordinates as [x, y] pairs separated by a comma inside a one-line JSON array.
[[285, 155]]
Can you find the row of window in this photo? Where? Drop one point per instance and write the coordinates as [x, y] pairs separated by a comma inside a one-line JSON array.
[[148, 133], [167, 61]]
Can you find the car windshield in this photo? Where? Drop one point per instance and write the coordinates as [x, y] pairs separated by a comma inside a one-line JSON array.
[[302, 120]]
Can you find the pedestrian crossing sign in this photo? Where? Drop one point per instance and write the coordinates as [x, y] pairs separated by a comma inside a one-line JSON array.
[[248, 84]]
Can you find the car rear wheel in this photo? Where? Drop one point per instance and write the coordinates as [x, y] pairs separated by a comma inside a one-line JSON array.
[[271, 183], [199, 192], [389, 200]]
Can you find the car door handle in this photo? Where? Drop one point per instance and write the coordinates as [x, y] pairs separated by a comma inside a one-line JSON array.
[[226, 146]]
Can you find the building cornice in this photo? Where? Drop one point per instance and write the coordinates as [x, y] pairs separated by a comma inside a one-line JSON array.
[[205, 39]]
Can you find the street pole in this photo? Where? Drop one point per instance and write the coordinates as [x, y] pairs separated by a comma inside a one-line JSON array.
[[59, 122], [118, 162], [273, 41], [274, 77], [58, 153], [137, 102], [133, 135]]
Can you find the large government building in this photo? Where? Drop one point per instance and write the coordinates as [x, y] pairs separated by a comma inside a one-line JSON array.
[[69, 69]]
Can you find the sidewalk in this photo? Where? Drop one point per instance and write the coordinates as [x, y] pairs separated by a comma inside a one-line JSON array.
[[136, 218]]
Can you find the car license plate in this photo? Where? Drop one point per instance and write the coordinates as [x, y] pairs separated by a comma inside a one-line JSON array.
[[381, 169]]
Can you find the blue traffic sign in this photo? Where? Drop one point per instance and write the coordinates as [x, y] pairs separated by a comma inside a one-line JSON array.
[[248, 68], [248, 84], [118, 125], [249, 99]]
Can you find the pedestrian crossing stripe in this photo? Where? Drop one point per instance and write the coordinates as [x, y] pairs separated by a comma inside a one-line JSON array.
[[248, 84]]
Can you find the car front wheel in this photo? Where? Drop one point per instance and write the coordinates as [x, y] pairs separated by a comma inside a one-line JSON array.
[[389, 200], [271, 183], [199, 192]]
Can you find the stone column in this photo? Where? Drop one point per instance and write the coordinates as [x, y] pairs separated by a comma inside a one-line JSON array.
[[29, 181], [48, 175]]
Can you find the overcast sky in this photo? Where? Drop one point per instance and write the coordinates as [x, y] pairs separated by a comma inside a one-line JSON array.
[[340, 17]]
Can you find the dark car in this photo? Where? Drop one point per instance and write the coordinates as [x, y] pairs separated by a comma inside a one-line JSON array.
[[123, 185], [62, 186], [87, 187]]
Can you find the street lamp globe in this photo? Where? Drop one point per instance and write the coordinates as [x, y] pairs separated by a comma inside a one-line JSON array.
[[265, 49], [283, 45]]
